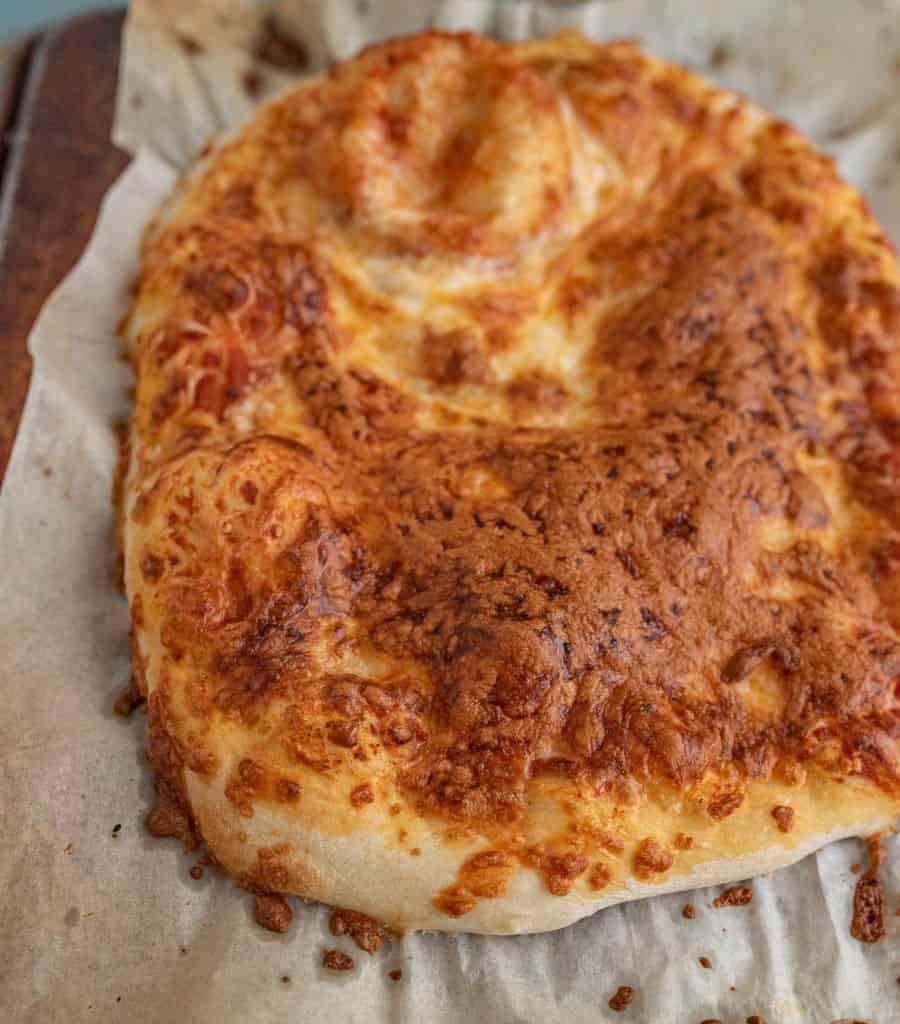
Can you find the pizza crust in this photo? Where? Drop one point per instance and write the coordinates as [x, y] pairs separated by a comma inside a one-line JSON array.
[[325, 795], [340, 855], [332, 852], [364, 871]]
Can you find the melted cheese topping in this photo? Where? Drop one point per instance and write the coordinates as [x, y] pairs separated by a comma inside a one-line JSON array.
[[516, 444]]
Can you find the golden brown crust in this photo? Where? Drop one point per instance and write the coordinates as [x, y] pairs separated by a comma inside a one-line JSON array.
[[468, 471]]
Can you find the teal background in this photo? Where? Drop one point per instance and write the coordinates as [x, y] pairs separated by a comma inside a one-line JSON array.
[[18, 16]]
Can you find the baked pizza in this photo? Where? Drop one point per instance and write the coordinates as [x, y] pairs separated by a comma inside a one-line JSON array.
[[512, 512]]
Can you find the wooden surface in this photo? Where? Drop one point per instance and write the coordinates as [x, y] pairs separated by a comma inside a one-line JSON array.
[[56, 162]]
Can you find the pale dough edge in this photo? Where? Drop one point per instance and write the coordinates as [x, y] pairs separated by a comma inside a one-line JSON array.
[[361, 872]]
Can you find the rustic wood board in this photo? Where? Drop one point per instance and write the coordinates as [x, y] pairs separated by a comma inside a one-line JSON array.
[[56, 163]]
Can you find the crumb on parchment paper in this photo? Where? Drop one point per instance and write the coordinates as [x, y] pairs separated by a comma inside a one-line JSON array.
[[621, 998]]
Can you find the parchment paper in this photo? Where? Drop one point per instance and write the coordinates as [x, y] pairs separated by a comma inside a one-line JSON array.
[[104, 925]]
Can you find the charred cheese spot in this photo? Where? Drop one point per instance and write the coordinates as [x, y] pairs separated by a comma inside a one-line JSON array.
[[784, 817], [454, 358], [362, 794], [723, 804], [601, 875], [152, 567], [651, 858]]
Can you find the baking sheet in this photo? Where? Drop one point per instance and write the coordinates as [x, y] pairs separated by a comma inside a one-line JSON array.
[[107, 925]]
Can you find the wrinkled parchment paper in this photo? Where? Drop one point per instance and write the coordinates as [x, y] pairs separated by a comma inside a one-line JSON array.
[[105, 924]]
